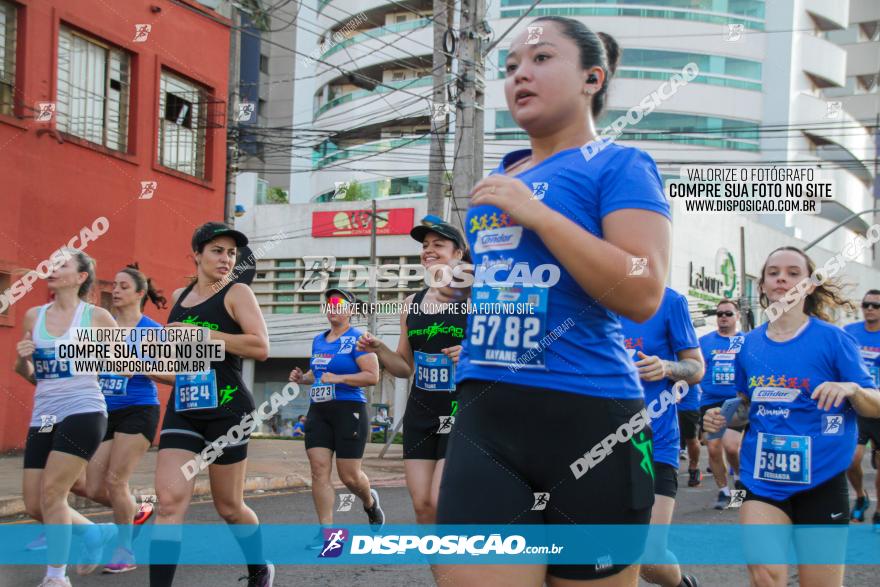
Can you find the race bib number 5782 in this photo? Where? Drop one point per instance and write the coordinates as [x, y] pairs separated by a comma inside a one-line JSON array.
[[503, 337]]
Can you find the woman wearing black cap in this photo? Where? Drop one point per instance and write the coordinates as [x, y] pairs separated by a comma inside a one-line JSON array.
[[192, 424], [337, 420], [428, 348]]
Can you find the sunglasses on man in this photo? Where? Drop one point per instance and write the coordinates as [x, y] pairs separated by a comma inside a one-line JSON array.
[[726, 314], [872, 305]]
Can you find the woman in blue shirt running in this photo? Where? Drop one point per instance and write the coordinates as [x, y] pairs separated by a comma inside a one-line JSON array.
[[805, 384], [133, 416], [556, 259], [337, 421]]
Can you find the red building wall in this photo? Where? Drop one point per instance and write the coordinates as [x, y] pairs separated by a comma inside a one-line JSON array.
[[52, 185]]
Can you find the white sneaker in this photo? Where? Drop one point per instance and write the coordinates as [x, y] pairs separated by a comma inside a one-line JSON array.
[[54, 582]]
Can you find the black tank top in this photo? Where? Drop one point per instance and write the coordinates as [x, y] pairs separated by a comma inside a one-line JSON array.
[[431, 333], [232, 394]]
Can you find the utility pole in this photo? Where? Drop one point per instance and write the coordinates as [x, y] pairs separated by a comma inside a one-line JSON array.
[[232, 133], [439, 113], [373, 265], [745, 304], [468, 136], [374, 220]]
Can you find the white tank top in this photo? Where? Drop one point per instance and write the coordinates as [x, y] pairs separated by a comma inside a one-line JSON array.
[[61, 393]]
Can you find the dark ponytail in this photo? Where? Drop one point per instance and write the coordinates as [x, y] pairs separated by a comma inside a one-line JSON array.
[[144, 283], [595, 49]]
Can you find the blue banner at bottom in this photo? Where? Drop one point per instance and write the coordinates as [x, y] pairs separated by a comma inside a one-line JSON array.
[[220, 544]]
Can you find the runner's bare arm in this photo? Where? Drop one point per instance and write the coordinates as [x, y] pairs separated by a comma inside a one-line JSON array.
[[368, 375], [403, 359], [689, 367], [602, 266], [865, 401], [24, 365], [168, 379], [253, 343]]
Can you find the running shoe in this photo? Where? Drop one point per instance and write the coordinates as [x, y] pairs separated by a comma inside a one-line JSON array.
[[690, 581], [695, 477], [96, 538], [723, 501], [54, 582], [38, 543], [860, 509], [317, 542], [375, 513], [145, 510], [122, 562], [262, 578], [682, 455]]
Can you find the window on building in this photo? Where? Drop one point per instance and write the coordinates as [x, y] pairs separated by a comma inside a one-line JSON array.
[[93, 83], [182, 121], [7, 57], [264, 64]]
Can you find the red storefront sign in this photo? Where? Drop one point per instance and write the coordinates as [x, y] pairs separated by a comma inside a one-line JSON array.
[[359, 223]]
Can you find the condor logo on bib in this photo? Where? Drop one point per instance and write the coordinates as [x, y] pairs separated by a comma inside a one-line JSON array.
[[498, 239], [775, 394]]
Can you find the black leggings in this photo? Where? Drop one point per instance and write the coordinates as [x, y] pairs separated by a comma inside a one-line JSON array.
[[510, 442]]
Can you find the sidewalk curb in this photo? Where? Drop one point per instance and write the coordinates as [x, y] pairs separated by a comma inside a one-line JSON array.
[[14, 506]]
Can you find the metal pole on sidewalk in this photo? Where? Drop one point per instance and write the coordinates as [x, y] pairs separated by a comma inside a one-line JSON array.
[[374, 270]]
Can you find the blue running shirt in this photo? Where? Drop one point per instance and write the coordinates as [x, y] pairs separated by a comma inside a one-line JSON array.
[[586, 354], [869, 345], [667, 332], [719, 353], [691, 402], [340, 358], [790, 445], [138, 390]]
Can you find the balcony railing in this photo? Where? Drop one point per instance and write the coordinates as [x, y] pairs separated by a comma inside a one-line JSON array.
[[377, 33], [357, 94], [320, 161]]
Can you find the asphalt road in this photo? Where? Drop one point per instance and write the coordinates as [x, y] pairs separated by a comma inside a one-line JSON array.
[[693, 507]]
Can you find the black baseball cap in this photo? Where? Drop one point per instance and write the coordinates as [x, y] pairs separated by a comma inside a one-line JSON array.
[[211, 230], [431, 223]]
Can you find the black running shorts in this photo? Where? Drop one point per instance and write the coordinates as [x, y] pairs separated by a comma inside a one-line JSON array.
[[689, 424], [79, 435], [665, 480], [869, 429], [826, 504], [511, 443], [194, 435], [133, 420], [427, 423], [341, 426]]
